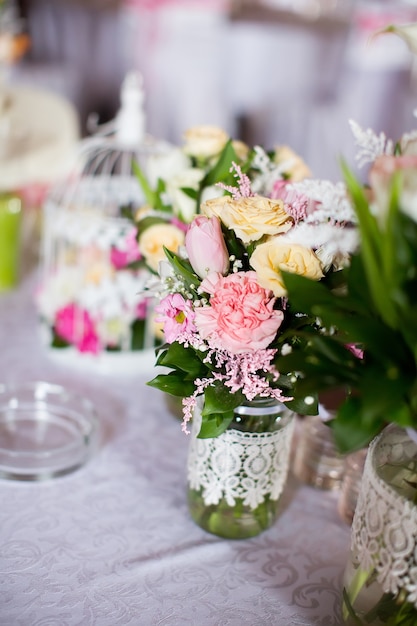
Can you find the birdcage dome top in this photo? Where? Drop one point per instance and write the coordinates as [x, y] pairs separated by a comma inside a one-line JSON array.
[[103, 176]]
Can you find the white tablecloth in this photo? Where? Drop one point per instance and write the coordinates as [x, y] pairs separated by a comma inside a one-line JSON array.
[[113, 543]]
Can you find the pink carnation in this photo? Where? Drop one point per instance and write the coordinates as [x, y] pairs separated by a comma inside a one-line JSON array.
[[296, 203], [177, 316], [77, 328], [241, 315]]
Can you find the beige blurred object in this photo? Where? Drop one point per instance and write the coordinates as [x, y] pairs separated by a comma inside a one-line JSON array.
[[13, 47], [323, 14], [39, 132], [349, 490]]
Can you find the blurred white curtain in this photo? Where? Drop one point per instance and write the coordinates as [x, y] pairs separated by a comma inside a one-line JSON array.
[[181, 49]]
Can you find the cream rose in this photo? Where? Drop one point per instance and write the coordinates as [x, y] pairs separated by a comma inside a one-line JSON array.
[[153, 240], [292, 164], [204, 141], [250, 218], [273, 256]]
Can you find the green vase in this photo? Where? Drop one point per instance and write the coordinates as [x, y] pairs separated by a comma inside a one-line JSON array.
[[235, 480], [380, 583], [10, 227]]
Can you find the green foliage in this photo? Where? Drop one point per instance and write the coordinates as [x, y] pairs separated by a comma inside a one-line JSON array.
[[220, 172], [175, 355], [58, 341], [218, 408], [173, 383]]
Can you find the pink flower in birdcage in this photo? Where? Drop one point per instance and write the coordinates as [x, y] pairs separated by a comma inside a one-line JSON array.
[[141, 309], [121, 257], [76, 326]]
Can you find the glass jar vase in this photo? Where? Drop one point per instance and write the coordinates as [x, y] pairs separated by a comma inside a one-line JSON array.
[[380, 585], [235, 480]]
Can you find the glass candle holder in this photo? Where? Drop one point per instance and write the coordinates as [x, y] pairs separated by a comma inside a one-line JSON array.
[[10, 228], [349, 490], [316, 460]]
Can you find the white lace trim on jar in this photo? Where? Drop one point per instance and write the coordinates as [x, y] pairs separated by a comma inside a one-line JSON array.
[[384, 529], [248, 466]]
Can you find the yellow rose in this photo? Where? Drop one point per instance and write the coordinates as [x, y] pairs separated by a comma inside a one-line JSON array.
[[250, 218], [295, 168], [273, 256], [204, 141], [153, 239]]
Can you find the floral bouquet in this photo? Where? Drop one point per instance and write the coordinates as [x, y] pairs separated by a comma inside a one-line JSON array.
[[224, 305], [226, 320]]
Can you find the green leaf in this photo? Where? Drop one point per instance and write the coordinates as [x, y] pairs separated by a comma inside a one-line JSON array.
[[235, 246], [218, 409], [371, 249], [149, 194], [172, 383], [183, 268], [186, 359], [301, 407], [138, 334], [58, 341], [350, 432], [221, 170], [190, 192], [215, 424], [306, 295], [218, 398]]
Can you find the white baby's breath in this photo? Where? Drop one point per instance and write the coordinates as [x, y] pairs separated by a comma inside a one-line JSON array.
[[332, 199], [370, 145]]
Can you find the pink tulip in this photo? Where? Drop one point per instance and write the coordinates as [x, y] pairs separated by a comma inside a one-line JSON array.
[[205, 246]]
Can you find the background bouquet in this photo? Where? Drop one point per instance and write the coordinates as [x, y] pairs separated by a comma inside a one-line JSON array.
[[94, 300]]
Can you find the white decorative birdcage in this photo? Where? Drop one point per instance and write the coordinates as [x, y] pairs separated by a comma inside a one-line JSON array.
[[92, 302]]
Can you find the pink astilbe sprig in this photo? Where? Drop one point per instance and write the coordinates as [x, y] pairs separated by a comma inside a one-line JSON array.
[[244, 187]]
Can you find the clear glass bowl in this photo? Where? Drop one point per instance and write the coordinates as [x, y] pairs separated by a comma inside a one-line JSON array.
[[45, 431]]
